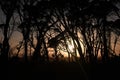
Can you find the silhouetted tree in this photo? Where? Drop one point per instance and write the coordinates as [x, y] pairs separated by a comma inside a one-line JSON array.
[[85, 22], [8, 8]]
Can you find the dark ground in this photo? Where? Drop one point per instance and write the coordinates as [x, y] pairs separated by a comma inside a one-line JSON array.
[[64, 71]]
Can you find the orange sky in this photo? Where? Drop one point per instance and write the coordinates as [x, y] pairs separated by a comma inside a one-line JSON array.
[[17, 36]]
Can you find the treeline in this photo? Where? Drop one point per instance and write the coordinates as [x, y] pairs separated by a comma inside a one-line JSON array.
[[91, 26]]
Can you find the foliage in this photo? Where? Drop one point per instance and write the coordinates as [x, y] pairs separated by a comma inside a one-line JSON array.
[[52, 23]]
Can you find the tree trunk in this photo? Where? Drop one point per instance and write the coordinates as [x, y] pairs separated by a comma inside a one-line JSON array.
[[5, 49], [26, 51], [105, 56]]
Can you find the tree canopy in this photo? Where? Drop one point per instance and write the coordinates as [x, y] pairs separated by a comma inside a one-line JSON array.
[[86, 24]]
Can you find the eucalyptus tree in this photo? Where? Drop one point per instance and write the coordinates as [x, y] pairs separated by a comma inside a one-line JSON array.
[[63, 12], [85, 22], [91, 20], [105, 8], [35, 18], [8, 8]]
